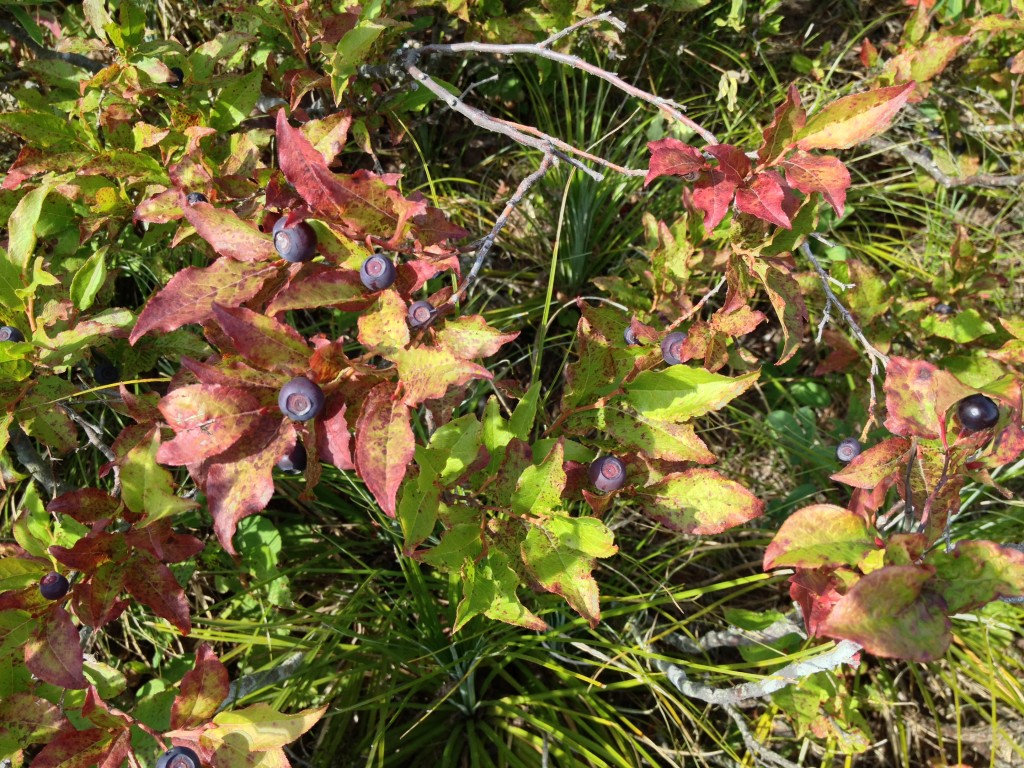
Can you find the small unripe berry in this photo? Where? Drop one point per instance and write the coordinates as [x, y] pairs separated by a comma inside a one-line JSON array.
[[607, 473], [53, 586], [294, 462], [848, 449], [377, 272], [300, 399], [672, 347], [178, 757], [295, 243], [629, 336], [420, 314], [977, 412], [196, 197], [10, 333]]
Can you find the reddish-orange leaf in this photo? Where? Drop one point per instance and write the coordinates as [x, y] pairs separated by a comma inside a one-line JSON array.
[[189, 296], [731, 161], [853, 119], [819, 173], [321, 286], [713, 194], [917, 397], [53, 652], [789, 119], [86, 505], [671, 157], [875, 464], [151, 583], [333, 438], [428, 373], [384, 444], [92, 747], [202, 690], [262, 340], [228, 234], [763, 198]]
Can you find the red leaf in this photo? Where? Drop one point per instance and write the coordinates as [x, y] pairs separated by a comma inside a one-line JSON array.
[[333, 438], [95, 600], [813, 173], [86, 505], [671, 157], [428, 373], [434, 227], [713, 194], [384, 444], [271, 345], [53, 652], [159, 539], [731, 161], [208, 419], [763, 198], [201, 692], [228, 234], [84, 749], [244, 486], [151, 583], [815, 592], [853, 119], [189, 296], [88, 552], [789, 118]]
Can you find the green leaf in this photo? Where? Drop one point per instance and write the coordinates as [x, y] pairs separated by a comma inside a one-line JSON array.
[[821, 534], [454, 447], [146, 487], [680, 393], [539, 490], [975, 573], [526, 411], [236, 100], [418, 505], [490, 588], [262, 726], [10, 282], [89, 279], [42, 417], [559, 553], [22, 227], [635, 432], [495, 431], [350, 52], [963, 327], [33, 528]]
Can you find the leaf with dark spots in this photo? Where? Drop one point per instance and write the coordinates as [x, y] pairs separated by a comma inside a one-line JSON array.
[[262, 340], [917, 397], [151, 583], [384, 444], [53, 652], [86, 505], [201, 692], [189, 296], [317, 285], [228, 234], [700, 501], [875, 464], [207, 420]]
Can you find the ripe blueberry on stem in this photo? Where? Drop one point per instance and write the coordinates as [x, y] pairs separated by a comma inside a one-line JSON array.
[[300, 399], [180, 74], [10, 333], [294, 462], [607, 473], [53, 586], [420, 314], [944, 309], [977, 412], [848, 449], [295, 243], [672, 347], [196, 197], [105, 373], [629, 336], [377, 272], [178, 757]]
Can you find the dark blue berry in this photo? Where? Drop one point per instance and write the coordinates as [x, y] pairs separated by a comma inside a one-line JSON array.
[[178, 757], [848, 449], [300, 399], [179, 73], [295, 243], [53, 586], [196, 197], [607, 473], [944, 309], [630, 336], [977, 412], [10, 333], [672, 348], [294, 461], [105, 373], [420, 314], [377, 272]]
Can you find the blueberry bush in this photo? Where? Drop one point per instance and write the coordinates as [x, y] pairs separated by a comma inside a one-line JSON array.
[[291, 475]]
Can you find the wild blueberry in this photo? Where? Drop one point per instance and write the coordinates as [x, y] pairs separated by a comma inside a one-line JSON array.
[[977, 412], [178, 757], [179, 73], [105, 373], [848, 449], [672, 347], [944, 309], [607, 473], [294, 461], [629, 336], [196, 197], [10, 333], [53, 586], [420, 314], [377, 272], [295, 243], [300, 399]]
